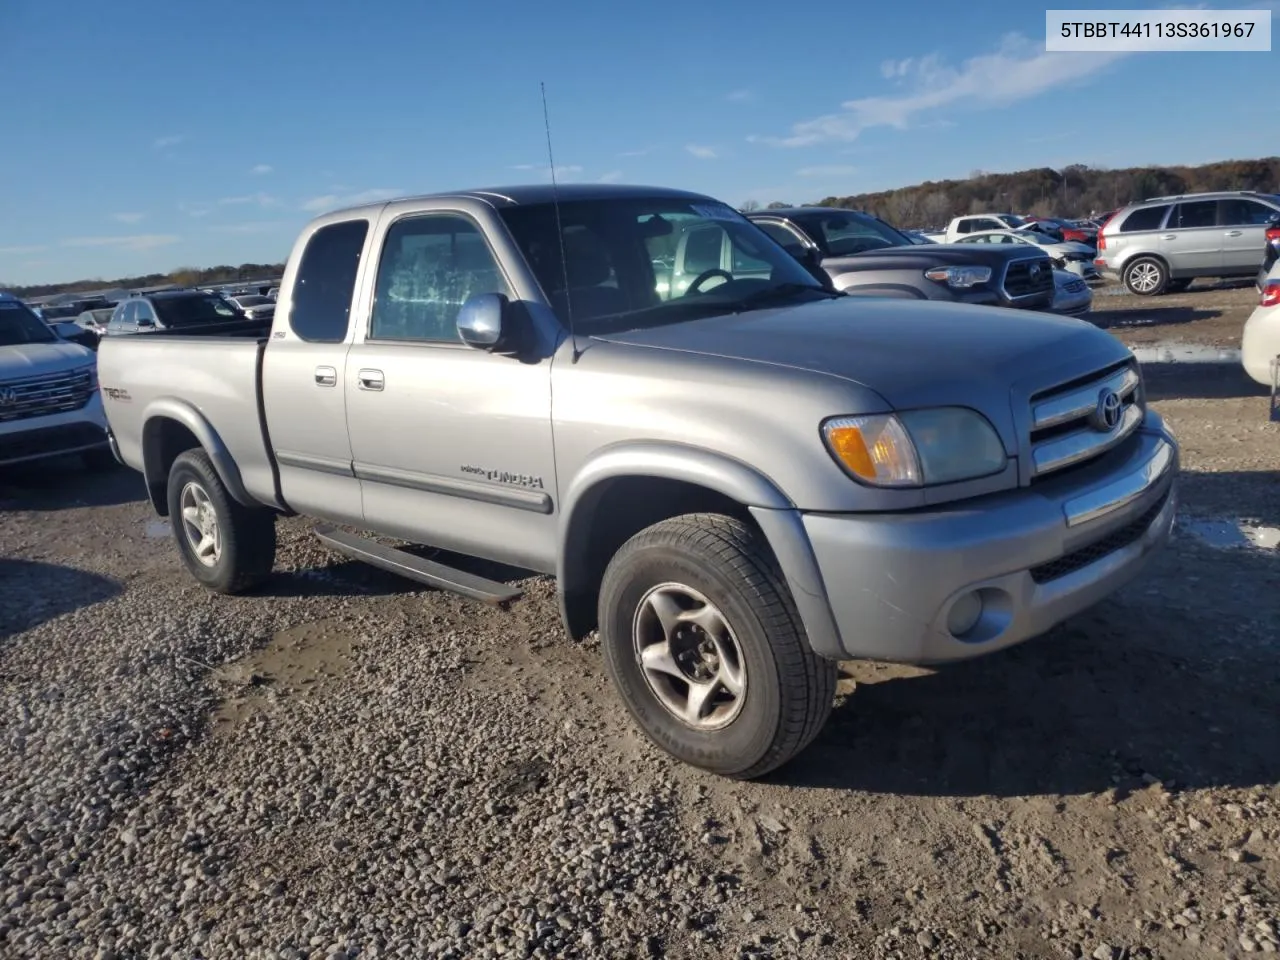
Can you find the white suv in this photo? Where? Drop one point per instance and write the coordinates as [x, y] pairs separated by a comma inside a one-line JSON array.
[[1161, 245], [49, 399]]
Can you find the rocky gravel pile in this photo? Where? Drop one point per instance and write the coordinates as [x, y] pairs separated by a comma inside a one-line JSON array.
[[346, 766]]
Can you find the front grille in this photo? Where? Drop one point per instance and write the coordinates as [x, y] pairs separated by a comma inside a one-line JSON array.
[[1116, 540], [50, 440], [1028, 277], [1074, 286], [1067, 424], [39, 396]]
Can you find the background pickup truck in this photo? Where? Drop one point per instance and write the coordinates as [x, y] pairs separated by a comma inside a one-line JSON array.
[[739, 482], [864, 256]]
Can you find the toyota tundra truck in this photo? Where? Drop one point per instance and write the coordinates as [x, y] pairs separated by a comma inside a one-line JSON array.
[[738, 482]]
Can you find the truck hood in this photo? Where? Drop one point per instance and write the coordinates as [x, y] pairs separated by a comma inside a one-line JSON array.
[[33, 359], [911, 353], [926, 255]]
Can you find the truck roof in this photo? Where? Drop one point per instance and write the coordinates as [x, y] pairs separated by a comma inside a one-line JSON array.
[[543, 193]]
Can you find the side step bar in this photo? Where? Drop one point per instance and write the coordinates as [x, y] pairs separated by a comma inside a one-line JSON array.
[[397, 561]]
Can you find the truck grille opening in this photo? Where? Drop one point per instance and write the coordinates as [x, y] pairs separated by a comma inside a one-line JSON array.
[[1078, 421], [1020, 280], [1116, 540], [40, 396]]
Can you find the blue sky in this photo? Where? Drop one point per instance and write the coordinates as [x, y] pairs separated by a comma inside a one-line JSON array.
[[149, 135]]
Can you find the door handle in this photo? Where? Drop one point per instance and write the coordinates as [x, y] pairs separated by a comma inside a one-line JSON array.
[[326, 376], [1233, 233], [1169, 236], [370, 379]]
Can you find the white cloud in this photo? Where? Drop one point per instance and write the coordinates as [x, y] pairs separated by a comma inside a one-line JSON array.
[[18, 251], [127, 217], [613, 176], [261, 199], [143, 241], [892, 69], [1019, 70], [701, 152], [740, 96], [833, 170], [170, 141], [260, 169], [192, 209], [335, 201], [636, 153]]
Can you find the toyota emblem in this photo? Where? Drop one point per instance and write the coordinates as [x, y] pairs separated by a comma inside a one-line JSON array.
[[1106, 416]]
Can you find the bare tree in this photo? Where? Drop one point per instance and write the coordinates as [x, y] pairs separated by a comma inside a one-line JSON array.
[[750, 205]]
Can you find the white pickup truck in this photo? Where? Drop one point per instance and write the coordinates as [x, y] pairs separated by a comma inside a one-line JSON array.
[[49, 399]]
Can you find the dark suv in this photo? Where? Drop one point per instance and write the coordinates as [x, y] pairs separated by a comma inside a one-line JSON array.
[[865, 256], [170, 310]]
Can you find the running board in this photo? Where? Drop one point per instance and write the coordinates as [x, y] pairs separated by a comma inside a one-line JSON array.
[[397, 561]]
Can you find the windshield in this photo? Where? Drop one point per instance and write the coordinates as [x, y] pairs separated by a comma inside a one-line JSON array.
[[842, 233], [636, 262], [251, 301], [18, 326], [188, 311], [1035, 236], [1011, 219]]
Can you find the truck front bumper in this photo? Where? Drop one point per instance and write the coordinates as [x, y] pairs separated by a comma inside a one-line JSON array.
[[969, 579], [54, 435]]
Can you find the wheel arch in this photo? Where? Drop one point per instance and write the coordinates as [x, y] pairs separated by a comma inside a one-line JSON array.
[[171, 427], [629, 487]]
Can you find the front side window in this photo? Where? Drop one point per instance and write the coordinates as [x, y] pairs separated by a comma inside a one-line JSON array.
[[1238, 212], [784, 236], [431, 265], [326, 282], [637, 261]]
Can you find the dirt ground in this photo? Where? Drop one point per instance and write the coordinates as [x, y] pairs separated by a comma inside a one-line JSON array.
[[1209, 313], [1111, 790]]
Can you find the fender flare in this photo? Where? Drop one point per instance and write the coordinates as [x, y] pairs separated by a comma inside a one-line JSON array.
[[171, 408], [776, 514]]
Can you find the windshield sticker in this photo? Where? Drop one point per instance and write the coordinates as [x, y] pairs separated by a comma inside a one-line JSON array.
[[716, 211]]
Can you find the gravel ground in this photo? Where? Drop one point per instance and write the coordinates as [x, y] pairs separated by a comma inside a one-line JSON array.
[[346, 765], [1208, 313]]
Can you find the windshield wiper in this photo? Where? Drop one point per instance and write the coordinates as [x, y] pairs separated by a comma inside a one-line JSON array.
[[782, 291]]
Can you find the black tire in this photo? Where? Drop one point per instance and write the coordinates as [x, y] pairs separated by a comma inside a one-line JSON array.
[[247, 535], [1146, 277], [99, 460], [788, 690], [1178, 286]]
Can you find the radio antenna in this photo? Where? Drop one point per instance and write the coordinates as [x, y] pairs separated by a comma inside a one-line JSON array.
[[555, 203]]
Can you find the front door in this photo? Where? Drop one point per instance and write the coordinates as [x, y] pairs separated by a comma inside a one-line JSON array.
[[1244, 233], [303, 375], [452, 444]]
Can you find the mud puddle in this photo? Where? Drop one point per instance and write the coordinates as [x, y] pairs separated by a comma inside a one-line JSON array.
[[1227, 534], [303, 660]]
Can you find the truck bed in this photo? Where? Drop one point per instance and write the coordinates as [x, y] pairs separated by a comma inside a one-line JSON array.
[[206, 380]]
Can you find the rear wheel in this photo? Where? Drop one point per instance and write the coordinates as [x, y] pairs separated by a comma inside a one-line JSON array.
[[228, 547], [703, 642], [1146, 277]]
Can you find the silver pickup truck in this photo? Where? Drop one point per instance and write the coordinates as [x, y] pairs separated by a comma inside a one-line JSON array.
[[739, 482]]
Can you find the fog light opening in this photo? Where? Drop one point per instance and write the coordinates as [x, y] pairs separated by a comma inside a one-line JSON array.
[[964, 614]]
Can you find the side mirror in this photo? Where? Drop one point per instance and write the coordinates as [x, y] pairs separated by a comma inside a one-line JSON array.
[[146, 322], [486, 322]]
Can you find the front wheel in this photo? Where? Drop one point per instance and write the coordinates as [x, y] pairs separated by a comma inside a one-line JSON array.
[[1146, 277], [228, 547], [702, 640]]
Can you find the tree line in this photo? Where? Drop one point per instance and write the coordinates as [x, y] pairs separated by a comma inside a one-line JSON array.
[[182, 276], [1074, 191]]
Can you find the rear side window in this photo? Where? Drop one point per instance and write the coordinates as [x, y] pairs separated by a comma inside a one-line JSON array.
[[1197, 213], [1144, 218], [785, 237], [1246, 213], [326, 282]]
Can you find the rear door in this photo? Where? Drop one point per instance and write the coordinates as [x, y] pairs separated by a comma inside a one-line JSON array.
[[1244, 233], [452, 445], [1192, 241], [303, 372]]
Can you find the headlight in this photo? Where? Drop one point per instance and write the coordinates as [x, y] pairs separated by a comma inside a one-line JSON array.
[[959, 277], [917, 448]]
